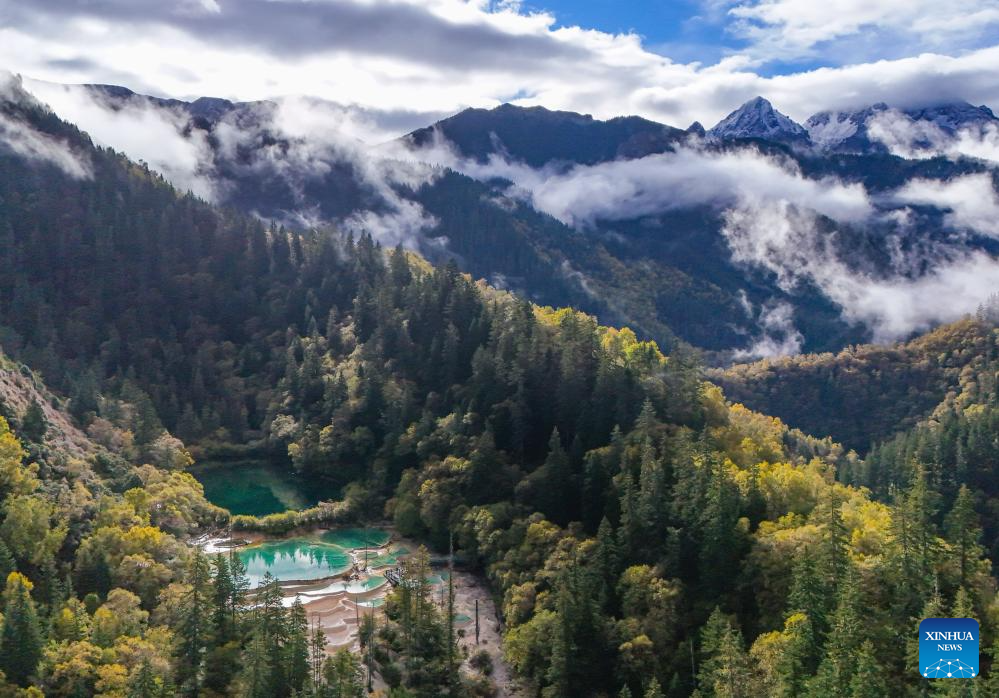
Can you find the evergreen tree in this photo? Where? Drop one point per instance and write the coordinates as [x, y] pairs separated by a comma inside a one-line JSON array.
[[963, 532], [222, 602], [845, 637], [724, 669], [195, 624], [297, 648], [145, 683], [21, 640], [34, 425], [868, 680], [654, 690]]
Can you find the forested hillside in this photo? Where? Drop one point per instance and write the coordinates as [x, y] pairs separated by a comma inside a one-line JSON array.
[[865, 393], [644, 537]]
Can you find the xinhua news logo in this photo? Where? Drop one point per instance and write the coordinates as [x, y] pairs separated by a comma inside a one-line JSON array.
[[948, 648]]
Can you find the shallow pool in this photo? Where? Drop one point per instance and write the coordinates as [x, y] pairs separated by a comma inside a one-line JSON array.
[[357, 538], [293, 559]]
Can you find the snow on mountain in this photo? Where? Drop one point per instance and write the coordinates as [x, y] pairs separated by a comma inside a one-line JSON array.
[[880, 127], [757, 118]]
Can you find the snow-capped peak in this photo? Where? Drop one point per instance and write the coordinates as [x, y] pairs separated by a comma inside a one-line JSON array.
[[757, 118]]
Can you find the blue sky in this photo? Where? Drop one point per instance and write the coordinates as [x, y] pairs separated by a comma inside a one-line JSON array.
[[683, 30]]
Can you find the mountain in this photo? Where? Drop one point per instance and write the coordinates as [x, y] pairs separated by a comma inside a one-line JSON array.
[[846, 131], [757, 118], [527, 199], [951, 118], [625, 514], [923, 127], [539, 137], [863, 394]]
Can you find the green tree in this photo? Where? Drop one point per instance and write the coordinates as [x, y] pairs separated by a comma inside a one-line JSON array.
[[868, 680], [297, 649], [34, 425], [21, 641], [963, 533], [195, 624]]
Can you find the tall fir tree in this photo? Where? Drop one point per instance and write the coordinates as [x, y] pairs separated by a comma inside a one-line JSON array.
[[21, 640]]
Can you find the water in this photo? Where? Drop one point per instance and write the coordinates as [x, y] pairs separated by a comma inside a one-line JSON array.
[[251, 487], [293, 559], [356, 538], [306, 558]]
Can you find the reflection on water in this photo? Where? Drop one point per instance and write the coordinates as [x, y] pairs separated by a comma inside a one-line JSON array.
[[356, 538], [252, 487], [293, 559]]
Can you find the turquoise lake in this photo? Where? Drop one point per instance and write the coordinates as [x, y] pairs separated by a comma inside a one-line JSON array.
[[293, 559], [305, 558], [253, 487]]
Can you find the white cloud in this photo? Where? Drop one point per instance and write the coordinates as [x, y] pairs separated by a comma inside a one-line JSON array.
[[771, 222], [785, 240], [389, 56], [689, 176], [20, 137], [795, 28], [971, 201], [779, 336], [142, 131], [916, 139]]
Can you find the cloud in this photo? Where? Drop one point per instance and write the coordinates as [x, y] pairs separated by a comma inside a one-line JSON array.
[[794, 28], [778, 220], [425, 33], [386, 56], [689, 176], [918, 139], [788, 242], [296, 143], [18, 136], [779, 336], [971, 202], [141, 130]]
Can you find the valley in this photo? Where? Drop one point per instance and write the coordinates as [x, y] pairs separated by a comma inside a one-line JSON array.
[[438, 392]]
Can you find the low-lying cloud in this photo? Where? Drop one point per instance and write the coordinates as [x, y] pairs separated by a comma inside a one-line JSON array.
[[294, 142], [971, 202], [787, 241], [920, 139], [778, 220], [143, 131], [23, 139]]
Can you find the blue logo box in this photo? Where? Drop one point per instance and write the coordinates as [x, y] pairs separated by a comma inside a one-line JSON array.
[[948, 648]]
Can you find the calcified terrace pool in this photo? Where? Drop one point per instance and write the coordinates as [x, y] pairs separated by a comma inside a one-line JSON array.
[[307, 558]]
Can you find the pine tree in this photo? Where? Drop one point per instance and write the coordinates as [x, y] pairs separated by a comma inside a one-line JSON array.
[[317, 654], [342, 674], [255, 681], [195, 624], [963, 533], [272, 626], [654, 690], [808, 596], [606, 560], [724, 669], [222, 601], [33, 423], [991, 683], [145, 683], [845, 636], [21, 641], [831, 557], [297, 647], [868, 680]]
